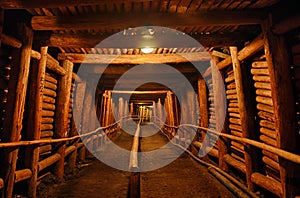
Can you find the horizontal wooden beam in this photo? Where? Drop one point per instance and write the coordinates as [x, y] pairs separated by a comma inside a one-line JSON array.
[[162, 41], [23, 4], [286, 25], [127, 20], [115, 71], [11, 41], [139, 92], [135, 59]]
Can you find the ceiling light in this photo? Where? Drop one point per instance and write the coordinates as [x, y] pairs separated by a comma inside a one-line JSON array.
[[147, 50]]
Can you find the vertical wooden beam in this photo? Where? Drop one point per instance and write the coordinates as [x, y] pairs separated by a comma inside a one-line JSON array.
[[121, 110], [35, 118], [191, 106], [278, 60], [61, 119], [1, 22], [104, 109], [108, 108], [13, 120], [220, 111], [77, 116], [246, 110], [159, 110], [131, 109], [153, 112], [126, 110], [203, 108]]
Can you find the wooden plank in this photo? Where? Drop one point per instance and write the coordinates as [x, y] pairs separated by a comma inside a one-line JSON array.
[[129, 41], [10, 41], [13, 123], [34, 118], [61, 118], [21, 175], [126, 20], [235, 163], [134, 59], [278, 59], [267, 183]]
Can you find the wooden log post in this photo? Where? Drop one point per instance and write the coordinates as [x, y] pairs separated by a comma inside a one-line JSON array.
[[1, 23], [61, 119], [37, 82], [108, 108], [284, 107], [103, 113], [203, 108], [131, 110], [220, 111], [154, 111], [247, 115], [77, 114], [86, 114], [126, 109], [184, 115], [159, 110], [121, 110], [15, 109]]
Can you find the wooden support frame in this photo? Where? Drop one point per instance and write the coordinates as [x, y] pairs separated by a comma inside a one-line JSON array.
[[283, 99], [90, 41], [35, 118], [220, 112], [16, 104], [61, 119], [247, 115], [134, 58]]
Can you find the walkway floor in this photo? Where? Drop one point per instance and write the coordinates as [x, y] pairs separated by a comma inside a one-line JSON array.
[[182, 178]]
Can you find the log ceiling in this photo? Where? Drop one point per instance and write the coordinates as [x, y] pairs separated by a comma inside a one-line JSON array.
[[74, 28]]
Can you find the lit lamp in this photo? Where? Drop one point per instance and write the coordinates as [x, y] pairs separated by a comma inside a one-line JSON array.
[[147, 50]]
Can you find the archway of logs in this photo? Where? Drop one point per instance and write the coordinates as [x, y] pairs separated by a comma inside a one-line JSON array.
[[259, 142]]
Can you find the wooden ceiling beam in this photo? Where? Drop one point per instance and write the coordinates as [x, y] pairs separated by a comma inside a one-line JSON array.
[[127, 20], [135, 59], [91, 41], [26, 4]]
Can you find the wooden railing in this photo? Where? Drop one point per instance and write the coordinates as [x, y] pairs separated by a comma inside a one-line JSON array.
[[134, 183], [257, 178]]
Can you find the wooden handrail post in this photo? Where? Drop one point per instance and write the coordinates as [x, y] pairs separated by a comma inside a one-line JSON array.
[[61, 119]]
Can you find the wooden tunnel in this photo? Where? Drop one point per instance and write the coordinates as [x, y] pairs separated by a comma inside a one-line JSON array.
[[250, 48]]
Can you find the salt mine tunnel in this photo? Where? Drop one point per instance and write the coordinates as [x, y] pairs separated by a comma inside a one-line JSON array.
[[149, 98]]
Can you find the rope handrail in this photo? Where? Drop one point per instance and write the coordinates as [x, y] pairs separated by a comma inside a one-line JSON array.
[[280, 152], [133, 162], [58, 140]]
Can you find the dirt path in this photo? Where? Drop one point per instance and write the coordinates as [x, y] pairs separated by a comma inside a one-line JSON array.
[[182, 178]]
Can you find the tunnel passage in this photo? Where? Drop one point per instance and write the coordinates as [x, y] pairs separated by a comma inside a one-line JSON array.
[[218, 78]]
